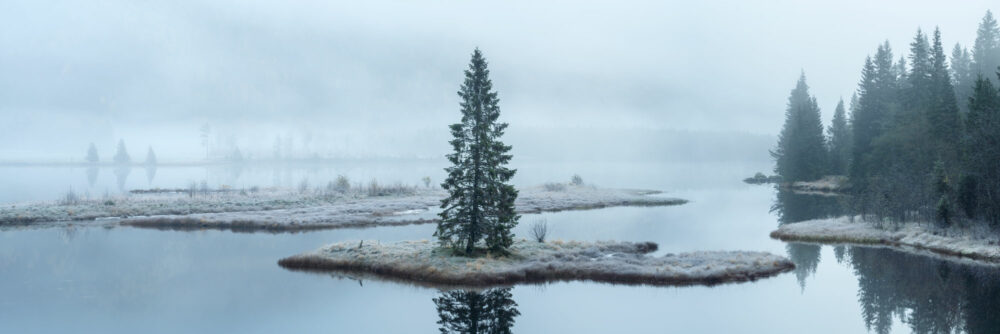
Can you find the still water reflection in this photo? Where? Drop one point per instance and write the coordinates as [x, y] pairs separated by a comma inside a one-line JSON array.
[[125, 280], [489, 311]]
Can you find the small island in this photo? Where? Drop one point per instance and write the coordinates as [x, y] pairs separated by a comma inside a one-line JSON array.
[[425, 263], [919, 238]]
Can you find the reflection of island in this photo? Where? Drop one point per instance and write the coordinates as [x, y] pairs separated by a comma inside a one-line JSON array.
[[489, 311], [927, 294]]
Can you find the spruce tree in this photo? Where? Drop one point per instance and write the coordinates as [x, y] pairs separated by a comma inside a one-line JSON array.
[[480, 202], [944, 116], [121, 156], [981, 192], [962, 76], [92, 154], [840, 142], [986, 50], [801, 152]]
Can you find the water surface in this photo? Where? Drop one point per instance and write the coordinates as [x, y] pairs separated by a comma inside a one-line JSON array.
[[125, 280]]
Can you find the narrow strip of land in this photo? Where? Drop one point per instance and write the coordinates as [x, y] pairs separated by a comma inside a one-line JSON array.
[[282, 210], [910, 237], [424, 263]]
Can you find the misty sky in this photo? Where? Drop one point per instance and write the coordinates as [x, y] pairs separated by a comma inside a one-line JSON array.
[[155, 71]]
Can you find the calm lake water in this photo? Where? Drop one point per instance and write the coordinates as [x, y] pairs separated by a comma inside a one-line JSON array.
[[127, 280]]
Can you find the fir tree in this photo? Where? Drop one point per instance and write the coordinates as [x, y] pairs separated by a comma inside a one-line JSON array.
[[982, 153], [121, 156], [839, 134], [961, 73], [986, 50], [942, 188], [801, 151], [480, 202], [92, 154], [943, 114]]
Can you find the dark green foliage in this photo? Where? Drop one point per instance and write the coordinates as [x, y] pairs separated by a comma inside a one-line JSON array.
[[942, 189], [839, 133], [801, 152], [491, 311], [480, 204], [982, 149], [907, 125]]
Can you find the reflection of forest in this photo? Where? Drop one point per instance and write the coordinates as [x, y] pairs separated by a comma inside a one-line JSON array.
[[791, 207], [489, 311], [929, 295]]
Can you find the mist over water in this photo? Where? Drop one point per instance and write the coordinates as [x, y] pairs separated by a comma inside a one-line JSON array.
[[682, 97]]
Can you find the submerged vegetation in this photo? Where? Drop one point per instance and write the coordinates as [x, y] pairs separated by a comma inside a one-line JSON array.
[[423, 262]]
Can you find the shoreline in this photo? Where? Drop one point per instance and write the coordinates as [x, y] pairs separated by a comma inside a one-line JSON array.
[[423, 263], [911, 238]]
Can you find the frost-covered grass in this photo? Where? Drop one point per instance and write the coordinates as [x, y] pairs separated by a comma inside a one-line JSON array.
[[424, 263], [293, 210], [911, 237], [830, 184]]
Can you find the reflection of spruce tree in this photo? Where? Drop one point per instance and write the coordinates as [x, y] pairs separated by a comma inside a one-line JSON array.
[[806, 259], [791, 207], [490, 311], [929, 295]]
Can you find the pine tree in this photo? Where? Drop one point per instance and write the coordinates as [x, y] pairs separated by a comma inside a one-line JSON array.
[[801, 152], [92, 154], [942, 188], [981, 192], [150, 157], [839, 134], [480, 202], [986, 50], [961, 72], [121, 156], [943, 116]]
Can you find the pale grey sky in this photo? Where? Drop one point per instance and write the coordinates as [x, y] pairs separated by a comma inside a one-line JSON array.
[[154, 71]]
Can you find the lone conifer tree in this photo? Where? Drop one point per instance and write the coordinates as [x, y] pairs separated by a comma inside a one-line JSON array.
[[92, 154], [121, 156], [480, 204]]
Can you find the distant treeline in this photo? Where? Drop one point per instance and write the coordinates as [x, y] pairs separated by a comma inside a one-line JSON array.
[[922, 141]]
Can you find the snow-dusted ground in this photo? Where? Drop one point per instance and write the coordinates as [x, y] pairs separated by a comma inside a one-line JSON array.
[[912, 237], [424, 263], [278, 210], [828, 185]]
